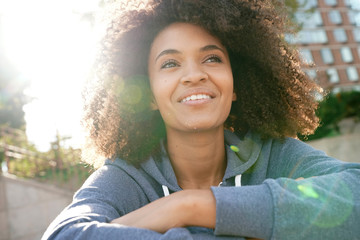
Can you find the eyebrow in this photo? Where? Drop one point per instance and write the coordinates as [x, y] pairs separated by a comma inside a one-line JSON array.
[[167, 51], [211, 47], [203, 49]]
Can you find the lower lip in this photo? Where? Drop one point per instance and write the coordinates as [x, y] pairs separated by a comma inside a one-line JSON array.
[[197, 102]]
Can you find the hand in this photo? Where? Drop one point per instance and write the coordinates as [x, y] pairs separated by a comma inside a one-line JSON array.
[[180, 209]]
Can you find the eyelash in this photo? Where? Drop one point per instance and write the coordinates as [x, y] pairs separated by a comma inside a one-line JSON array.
[[168, 62], [213, 56]]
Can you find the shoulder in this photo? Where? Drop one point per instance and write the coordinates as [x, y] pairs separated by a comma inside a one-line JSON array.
[[108, 175], [294, 147], [114, 185]]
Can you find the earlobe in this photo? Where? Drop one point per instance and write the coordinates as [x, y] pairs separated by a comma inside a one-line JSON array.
[[234, 98]]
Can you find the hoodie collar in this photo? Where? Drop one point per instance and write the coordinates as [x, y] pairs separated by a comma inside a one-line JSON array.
[[160, 168], [242, 153]]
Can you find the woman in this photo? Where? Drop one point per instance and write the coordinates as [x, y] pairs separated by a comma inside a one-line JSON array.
[[195, 108]]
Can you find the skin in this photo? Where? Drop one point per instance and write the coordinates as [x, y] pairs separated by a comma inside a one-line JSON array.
[[186, 60]]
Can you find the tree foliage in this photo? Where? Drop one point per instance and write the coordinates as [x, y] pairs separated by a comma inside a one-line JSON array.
[[332, 110]]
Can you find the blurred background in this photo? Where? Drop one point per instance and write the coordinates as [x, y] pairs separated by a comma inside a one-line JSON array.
[[46, 51]]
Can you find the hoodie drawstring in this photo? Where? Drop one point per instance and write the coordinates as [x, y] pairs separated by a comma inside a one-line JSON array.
[[238, 180], [237, 184], [165, 190]]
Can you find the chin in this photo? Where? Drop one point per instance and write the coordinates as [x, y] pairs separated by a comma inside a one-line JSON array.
[[202, 126]]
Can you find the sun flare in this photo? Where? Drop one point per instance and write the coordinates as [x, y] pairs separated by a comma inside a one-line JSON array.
[[52, 46]]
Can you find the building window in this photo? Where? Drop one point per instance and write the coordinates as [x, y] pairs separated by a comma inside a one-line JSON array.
[[354, 17], [308, 20], [346, 54], [327, 56], [316, 18], [333, 75], [305, 37], [308, 3], [356, 33], [311, 73], [352, 74], [351, 16], [331, 2], [335, 16], [291, 38], [312, 36], [319, 36], [306, 56], [340, 35], [355, 4]]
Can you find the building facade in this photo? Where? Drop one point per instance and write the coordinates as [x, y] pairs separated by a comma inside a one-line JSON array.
[[330, 40]]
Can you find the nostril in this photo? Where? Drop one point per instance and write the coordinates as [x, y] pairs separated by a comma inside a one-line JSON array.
[[198, 76], [205, 77]]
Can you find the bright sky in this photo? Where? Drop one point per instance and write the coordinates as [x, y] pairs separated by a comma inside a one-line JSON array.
[[50, 45]]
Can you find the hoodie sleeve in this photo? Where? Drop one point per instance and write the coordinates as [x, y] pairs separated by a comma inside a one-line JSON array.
[[324, 205], [108, 194]]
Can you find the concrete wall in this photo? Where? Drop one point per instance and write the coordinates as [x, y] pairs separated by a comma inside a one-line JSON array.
[[345, 147], [28, 207]]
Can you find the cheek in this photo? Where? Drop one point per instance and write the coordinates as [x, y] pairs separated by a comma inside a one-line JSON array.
[[227, 86], [226, 82], [161, 91]]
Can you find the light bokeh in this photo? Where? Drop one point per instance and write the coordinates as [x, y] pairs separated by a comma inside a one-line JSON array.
[[52, 45]]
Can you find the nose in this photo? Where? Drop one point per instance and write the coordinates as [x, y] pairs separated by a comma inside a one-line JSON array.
[[193, 73]]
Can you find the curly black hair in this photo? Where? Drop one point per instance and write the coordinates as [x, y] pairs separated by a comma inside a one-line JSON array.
[[275, 98]]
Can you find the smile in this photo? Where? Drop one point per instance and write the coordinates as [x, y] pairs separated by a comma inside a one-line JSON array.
[[195, 97]]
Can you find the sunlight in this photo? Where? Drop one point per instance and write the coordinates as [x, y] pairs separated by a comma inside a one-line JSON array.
[[53, 47]]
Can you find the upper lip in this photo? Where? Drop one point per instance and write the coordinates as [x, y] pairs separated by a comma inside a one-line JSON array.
[[196, 91]]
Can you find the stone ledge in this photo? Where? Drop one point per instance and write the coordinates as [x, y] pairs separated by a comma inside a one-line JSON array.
[[43, 186], [344, 147]]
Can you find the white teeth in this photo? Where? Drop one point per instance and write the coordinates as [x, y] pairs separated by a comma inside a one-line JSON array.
[[195, 97]]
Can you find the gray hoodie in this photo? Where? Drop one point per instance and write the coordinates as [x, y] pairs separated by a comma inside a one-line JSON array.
[[258, 197]]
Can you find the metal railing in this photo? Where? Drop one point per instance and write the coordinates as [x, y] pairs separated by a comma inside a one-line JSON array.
[[59, 167]]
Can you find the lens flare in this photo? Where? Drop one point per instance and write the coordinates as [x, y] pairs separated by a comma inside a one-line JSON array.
[[120, 84], [308, 191], [234, 148], [133, 95], [335, 206]]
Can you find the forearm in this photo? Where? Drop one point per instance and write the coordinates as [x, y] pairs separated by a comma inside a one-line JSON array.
[[201, 208], [180, 209]]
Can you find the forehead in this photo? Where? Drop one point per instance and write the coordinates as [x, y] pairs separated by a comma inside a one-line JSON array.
[[183, 36]]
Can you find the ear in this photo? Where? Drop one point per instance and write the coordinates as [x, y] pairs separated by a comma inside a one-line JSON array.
[[153, 104], [234, 98]]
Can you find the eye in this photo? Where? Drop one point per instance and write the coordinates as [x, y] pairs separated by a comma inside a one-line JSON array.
[[170, 64], [213, 58]]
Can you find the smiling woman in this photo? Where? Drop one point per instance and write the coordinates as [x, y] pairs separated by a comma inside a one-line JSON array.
[[205, 147], [53, 48]]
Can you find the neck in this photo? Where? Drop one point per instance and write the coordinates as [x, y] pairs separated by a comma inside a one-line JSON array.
[[198, 158]]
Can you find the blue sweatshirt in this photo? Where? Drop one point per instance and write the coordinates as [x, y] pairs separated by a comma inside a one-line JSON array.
[[259, 196]]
